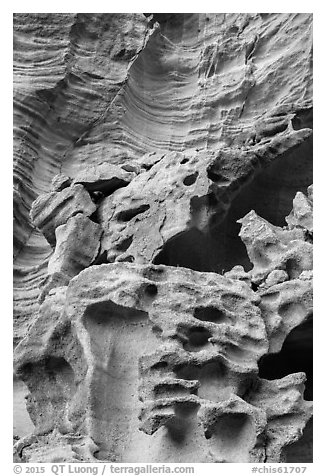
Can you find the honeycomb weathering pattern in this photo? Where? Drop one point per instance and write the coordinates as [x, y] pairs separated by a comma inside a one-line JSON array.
[[163, 236]]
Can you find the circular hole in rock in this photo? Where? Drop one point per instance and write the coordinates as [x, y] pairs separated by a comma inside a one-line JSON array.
[[210, 314], [159, 365], [151, 290], [124, 244], [190, 179], [198, 336]]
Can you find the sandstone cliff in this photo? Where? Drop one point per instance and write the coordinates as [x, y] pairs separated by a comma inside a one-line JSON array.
[[163, 236]]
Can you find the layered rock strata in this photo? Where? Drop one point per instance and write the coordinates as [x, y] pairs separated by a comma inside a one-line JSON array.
[[163, 275]]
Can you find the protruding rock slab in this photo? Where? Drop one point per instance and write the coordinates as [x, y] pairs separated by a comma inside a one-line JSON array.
[[59, 182], [189, 192], [55, 208], [301, 215], [273, 248], [105, 178], [287, 413], [156, 206], [77, 245], [285, 306]]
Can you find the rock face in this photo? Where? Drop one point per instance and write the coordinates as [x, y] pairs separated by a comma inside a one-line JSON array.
[[163, 236]]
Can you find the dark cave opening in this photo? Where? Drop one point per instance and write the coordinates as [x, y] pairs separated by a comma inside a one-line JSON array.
[[192, 249], [104, 187], [303, 118], [197, 338], [210, 314], [296, 355], [270, 193], [127, 215]]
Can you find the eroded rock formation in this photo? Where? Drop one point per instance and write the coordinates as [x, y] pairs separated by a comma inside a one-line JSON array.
[[163, 266]]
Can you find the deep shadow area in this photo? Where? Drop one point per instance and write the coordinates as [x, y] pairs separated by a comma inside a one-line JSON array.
[[192, 249], [270, 194], [303, 118], [296, 355], [301, 450]]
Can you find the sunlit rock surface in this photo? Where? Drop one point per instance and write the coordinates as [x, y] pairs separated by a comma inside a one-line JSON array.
[[163, 237]]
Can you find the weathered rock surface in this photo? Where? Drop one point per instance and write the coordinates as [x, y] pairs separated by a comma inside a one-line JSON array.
[[301, 215], [202, 335], [77, 246], [272, 248], [163, 236], [55, 208], [105, 178]]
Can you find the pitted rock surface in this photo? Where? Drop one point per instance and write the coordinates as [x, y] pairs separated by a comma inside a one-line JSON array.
[[163, 237]]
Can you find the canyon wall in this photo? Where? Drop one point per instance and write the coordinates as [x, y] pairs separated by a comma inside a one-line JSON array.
[[163, 237]]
